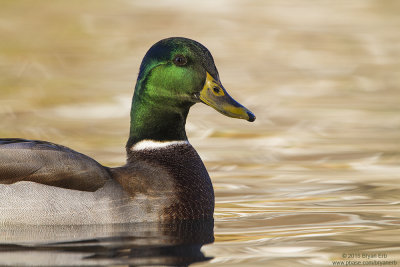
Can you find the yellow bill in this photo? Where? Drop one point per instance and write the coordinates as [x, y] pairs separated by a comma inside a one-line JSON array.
[[215, 95]]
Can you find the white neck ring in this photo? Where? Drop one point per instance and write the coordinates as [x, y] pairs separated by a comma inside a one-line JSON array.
[[151, 144]]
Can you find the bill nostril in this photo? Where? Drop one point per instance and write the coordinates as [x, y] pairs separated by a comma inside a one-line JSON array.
[[216, 90]]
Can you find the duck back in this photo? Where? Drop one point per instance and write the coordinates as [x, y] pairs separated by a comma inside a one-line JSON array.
[[50, 164]]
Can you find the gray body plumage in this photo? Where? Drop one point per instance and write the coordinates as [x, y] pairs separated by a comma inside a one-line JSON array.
[[43, 183]]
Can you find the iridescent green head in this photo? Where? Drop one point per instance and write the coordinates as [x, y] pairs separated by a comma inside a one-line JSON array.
[[175, 74]]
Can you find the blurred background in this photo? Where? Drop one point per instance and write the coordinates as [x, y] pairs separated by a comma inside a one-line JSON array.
[[315, 176]]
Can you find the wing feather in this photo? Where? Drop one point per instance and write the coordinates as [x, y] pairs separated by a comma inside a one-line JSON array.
[[50, 164]]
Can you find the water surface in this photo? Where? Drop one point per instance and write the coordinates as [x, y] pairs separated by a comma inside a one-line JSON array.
[[313, 180]]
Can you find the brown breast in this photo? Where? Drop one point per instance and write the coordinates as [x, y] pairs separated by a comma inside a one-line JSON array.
[[175, 172]]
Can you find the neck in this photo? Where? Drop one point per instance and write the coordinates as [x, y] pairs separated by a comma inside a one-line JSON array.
[[157, 121]]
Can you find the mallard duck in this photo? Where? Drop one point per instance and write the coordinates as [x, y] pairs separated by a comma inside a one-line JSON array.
[[163, 179]]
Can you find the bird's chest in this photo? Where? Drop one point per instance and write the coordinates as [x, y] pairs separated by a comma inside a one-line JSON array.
[[174, 179]]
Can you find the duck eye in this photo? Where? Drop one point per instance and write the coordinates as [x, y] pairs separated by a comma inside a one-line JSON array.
[[180, 60]]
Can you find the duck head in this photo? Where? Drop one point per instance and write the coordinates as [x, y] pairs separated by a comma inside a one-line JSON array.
[[175, 74]]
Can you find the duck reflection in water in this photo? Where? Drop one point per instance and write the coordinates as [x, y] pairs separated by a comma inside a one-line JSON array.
[[140, 244]]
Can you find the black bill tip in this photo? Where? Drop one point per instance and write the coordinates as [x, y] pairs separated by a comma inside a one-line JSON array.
[[252, 117]]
